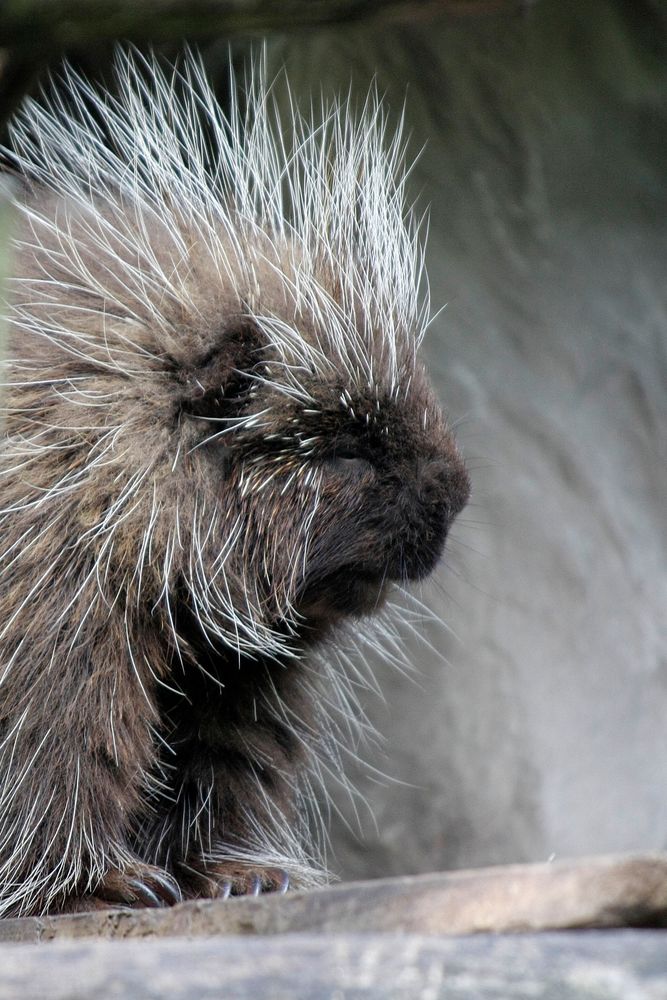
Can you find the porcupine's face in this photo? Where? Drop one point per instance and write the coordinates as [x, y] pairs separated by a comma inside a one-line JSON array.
[[337, 497], [234, 485], [396, 481]]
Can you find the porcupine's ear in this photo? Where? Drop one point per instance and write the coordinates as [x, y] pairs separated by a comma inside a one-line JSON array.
[[219, 383]]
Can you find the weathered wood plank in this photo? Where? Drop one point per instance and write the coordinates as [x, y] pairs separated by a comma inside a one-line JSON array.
[[587, 893]]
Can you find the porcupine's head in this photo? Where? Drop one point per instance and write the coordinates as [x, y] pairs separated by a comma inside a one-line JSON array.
[[215, 400]]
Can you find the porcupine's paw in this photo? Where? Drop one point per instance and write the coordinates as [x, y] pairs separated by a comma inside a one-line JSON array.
[[140, 885], [221, 879]]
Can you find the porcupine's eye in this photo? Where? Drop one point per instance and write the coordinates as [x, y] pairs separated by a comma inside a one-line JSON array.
[[348, 464], [345, 462]]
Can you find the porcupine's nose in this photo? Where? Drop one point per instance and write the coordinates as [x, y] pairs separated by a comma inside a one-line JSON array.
[[444, 483], [431, 501]]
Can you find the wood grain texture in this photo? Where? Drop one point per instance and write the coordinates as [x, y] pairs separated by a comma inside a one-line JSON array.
[[588, 893]]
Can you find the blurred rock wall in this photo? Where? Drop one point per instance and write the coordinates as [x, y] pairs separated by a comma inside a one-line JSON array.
[[545, 164]]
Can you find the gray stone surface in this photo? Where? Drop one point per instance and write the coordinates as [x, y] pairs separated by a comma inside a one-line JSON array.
[[589, 893], [545, 142], [615, 965]]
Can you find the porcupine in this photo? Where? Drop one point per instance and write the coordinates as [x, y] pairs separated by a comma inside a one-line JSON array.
[[218, 445]]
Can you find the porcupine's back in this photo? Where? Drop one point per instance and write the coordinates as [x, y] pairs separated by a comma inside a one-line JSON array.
[[212, 393]]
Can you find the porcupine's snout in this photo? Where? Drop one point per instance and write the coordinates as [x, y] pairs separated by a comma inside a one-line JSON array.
[[425, 497], [437, 494], [395, 531]]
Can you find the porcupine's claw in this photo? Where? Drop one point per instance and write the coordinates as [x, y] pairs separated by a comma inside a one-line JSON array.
[[284, 881], [143, 892], [224, 889], [254, 886], [222, 880], [259, 883], [170, 892], [142, 885]]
